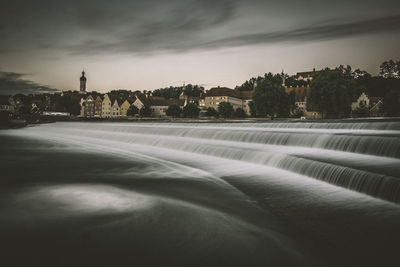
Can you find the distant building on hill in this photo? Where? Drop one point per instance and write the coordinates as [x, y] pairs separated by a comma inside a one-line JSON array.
[[306, 75]]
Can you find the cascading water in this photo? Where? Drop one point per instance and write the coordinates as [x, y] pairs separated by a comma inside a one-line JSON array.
[[228, 171], [340, 154]]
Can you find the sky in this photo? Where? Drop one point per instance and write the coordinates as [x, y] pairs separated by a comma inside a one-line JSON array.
[[145, 45]]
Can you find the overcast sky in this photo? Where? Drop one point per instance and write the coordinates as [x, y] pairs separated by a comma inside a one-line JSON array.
[[144, 45]]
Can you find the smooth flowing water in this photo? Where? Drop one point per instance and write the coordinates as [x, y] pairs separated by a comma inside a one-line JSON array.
[[202, 194]]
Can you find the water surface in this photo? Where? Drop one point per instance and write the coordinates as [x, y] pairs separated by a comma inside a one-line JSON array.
[[206, 194]]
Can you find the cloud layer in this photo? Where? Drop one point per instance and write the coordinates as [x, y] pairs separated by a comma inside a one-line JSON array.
[[141, 27], [12, 83]]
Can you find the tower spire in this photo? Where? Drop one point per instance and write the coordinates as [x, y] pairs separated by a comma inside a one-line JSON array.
[[83, 82]]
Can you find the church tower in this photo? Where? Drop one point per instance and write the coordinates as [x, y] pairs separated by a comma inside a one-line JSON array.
[[83, 82]]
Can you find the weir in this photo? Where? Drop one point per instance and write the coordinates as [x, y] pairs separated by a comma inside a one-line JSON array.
[[364, 157]]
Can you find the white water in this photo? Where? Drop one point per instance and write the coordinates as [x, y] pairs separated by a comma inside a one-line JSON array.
[[280, 191], [363, 157]]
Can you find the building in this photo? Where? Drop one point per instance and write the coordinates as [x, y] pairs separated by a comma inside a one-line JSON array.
[[247, 97], [124, 108], [82, 88], [87, 107], [301, 93], [238, 99], [6, 104], [98, 107], [376, 104], [157, 104], [306, 75], [116, 109], [106, 107], [361, 102]]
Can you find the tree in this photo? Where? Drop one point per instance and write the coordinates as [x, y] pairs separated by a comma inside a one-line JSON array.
[[252, 109], [292, 101], [145, 111], [267, 95], [191, 111], [240, 113], [132, 111], [193, 90], [211, 112], [174, 111], [225, 109], [390, 69], [168, 92], [248, 85], [331, 92], [391, 105]]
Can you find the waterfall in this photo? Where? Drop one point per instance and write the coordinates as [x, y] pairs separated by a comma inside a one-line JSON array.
[[362, 156]]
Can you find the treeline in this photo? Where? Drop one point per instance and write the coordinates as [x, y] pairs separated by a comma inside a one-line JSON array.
[[331, 91], [175, 91]]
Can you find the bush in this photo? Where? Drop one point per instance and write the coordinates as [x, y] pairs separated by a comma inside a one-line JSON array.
[[225, 109], [240, 113], [145, 111], [174, 110], [191, 111], [211, 112], [132, 111]]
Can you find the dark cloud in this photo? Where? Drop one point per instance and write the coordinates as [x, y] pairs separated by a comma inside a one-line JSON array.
[[314, 33], [12, 83], [126, 26]]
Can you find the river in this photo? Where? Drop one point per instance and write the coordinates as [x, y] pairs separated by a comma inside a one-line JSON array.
[[201, 194]]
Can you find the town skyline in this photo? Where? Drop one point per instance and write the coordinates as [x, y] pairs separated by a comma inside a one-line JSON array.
[[148, 45]]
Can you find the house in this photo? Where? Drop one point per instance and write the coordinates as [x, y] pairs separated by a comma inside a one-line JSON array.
[[247, 97], [301, 93], [87, 107], [238, 99], [362, 101], [306, 75], [376, 106], [116, 109], [106, 107], [159, 105], [7, 104], [191, 99], [98, 107], [21, 103], [125, 107], [140, 100]]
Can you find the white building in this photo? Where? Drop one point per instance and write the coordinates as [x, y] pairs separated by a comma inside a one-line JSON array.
[[106, 107], [362, 101], [238, 99]]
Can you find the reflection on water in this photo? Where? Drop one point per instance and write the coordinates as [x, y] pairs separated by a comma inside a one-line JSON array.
[[247, 194]]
